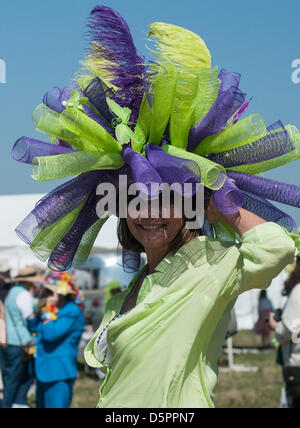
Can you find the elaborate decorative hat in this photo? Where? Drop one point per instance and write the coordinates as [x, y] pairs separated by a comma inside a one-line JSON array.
[[174, 120], [63, 283]]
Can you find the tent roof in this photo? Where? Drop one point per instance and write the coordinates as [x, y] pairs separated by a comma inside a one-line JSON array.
[[14, 208]]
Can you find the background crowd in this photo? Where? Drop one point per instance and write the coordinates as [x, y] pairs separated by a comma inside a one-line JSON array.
[[42, 323]]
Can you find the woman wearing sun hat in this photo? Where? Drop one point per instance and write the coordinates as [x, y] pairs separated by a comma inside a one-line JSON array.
[[59, 329], [174, 121]]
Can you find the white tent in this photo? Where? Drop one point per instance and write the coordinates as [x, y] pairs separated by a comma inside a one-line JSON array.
[[13, 209]]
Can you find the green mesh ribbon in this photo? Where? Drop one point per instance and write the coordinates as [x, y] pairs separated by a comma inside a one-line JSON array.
[[48, 121], [276, 162], [87, 129], [75, 127], [213, 175], [142, 129], [61, 166], [162, 101], [208, 90], [88, 240], [183, 108], [244, 132], [47, 239]]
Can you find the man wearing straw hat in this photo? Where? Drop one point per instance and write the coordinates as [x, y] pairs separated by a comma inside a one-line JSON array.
[[14, 359]]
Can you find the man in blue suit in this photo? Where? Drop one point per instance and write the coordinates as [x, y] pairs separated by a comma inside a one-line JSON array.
[[58, 337]]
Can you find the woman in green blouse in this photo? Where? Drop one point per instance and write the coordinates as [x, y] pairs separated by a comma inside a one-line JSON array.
[[160, 340], [176, 121]]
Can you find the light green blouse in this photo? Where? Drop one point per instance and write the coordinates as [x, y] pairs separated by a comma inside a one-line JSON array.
[[165, 351]]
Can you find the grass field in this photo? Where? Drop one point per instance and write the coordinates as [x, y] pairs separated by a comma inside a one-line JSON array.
[[235, 390], [251, 390]]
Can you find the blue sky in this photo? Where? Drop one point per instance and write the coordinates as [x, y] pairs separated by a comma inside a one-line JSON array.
[[42, 44]]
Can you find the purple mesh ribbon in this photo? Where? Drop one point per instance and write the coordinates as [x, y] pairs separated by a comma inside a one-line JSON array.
[[97, 92], [269, 147], [131, 261], [64, 144], [133, 100], [58, 203], [53, 99], [62, 257], [229, 80], [277, 191], [26, 149], [241, 111], [229, 100], [67, 91], [97, 119], [174, 171], [274, 126], [144, 174], [264, 209], [228, 199]]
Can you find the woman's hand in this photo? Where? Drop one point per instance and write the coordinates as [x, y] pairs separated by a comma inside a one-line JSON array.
[[241, 222], [212, 213]]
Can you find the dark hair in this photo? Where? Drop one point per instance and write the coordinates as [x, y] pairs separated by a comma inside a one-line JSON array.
[[184, 236], [263, 295], [293, 279]]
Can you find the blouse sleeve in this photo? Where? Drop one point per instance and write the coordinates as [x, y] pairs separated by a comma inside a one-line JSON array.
[[265, 251]]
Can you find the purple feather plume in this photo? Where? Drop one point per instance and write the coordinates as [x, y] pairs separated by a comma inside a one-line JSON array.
[[110, 31]]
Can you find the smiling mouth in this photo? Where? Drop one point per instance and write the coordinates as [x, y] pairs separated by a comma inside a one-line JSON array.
[[153, 227]]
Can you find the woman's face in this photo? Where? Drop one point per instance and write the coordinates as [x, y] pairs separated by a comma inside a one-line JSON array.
[[156, 230], [53, 299]]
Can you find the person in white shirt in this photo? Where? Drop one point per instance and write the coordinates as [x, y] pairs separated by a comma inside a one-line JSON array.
[[18, 306]]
